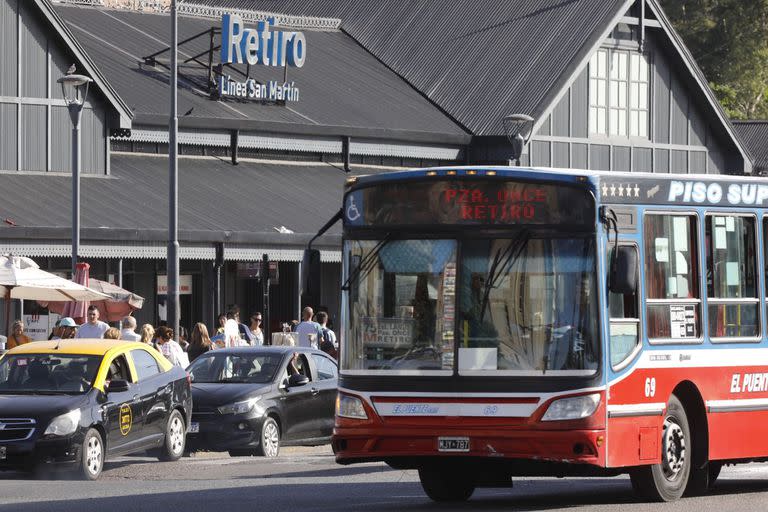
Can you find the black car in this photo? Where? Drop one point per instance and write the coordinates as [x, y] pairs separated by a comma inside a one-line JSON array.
[[73, 403], [250, 400]]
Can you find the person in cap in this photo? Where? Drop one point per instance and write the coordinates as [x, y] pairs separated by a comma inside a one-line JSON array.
[[65, 329], [68, 328]]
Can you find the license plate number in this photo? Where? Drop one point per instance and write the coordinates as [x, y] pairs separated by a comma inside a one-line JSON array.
[[194, 427], [453, 444], [3, 452]]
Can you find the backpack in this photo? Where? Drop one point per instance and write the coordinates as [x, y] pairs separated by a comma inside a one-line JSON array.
[[326, 345]]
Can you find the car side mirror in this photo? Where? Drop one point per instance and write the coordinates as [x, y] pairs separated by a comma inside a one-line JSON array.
[[297, 379], [622, 278], [117, 386]]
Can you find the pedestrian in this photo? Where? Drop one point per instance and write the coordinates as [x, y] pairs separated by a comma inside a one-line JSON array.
[[56, 331], [17, 336], [232, 334], [93, 328], [113, 333], [199, 342], [233, 313], [256, 333], [221, 319], [147, 334], [170, 348], [309, 331], [328, 342], [128, 332], [68, 328]]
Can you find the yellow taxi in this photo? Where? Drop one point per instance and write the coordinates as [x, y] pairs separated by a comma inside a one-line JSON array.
[[77, 402]]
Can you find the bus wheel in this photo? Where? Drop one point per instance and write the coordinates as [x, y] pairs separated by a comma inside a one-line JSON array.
[[446, 485], [667, 481]]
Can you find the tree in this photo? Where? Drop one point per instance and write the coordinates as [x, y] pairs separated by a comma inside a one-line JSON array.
[[729, 40]]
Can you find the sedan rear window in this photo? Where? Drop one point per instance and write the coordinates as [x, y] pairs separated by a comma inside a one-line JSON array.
[[250, 368]]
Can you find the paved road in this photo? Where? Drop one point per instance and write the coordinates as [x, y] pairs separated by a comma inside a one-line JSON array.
[[307, 479]]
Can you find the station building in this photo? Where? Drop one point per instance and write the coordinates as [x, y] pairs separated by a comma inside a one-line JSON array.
[[266, 148]]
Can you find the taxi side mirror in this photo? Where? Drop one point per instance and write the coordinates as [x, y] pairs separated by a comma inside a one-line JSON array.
[[117, 386]]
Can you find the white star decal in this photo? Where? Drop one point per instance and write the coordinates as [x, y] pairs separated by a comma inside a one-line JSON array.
[[605, 190], [621, 190], [637, 191], [613, 189]]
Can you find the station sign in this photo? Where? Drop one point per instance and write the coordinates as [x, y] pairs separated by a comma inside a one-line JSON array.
[[261, 45]]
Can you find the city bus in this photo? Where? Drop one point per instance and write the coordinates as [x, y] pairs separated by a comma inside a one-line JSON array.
[[499, 322]]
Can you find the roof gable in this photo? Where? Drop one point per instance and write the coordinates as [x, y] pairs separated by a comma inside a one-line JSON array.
[[124, 113]]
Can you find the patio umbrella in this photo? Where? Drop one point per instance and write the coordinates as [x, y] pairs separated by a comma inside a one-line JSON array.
[[22, 278], [118, 304]]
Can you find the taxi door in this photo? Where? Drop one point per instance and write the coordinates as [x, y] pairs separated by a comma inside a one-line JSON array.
[[122, 411], [155, 393]]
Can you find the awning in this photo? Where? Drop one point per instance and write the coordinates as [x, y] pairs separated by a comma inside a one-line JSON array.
[[251, 208]]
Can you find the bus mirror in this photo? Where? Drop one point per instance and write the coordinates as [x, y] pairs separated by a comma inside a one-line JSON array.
[[310, 277], [623, 272]]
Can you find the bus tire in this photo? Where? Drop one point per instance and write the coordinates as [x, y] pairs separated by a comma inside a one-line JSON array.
[[446, 485], [668, 480]]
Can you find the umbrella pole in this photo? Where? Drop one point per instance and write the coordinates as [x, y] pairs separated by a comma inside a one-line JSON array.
[[7, 309]]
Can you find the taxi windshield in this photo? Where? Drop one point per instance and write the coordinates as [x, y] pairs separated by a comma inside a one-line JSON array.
[[235, 368], [47, 373]]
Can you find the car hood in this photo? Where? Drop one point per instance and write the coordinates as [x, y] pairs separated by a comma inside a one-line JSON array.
[[38, 406], [216, 394]]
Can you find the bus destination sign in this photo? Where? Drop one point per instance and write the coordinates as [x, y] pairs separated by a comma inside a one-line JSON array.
[[468, 201]]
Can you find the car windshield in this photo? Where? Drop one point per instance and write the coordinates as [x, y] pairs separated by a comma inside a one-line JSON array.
[[257, 368], [47, 373]]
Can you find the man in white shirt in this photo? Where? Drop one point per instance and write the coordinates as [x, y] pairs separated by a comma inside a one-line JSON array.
[[93, 328], [128, 332], [310, 333]]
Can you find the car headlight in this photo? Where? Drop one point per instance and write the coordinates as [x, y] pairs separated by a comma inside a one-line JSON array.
[[65, 424], [239, 407], [350, 407], [572, 408]]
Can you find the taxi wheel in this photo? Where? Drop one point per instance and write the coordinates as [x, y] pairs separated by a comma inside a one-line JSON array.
[[270, 439], [175, 438], [91, 456]]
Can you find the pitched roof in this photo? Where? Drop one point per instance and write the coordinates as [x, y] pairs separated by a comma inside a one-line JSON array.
[[477, 60], [91, 69], [218, 202], [343, 88], [755, 136]]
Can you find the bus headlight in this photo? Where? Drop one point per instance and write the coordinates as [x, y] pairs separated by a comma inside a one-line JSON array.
[[572, 408], [64, 425], [350, 407]]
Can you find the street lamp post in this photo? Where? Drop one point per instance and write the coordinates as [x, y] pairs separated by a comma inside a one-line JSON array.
[[75, 91], [174, 309], [518, 128]]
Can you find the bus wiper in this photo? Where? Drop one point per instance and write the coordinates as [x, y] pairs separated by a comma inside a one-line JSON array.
[[367, 264], [509, 256]]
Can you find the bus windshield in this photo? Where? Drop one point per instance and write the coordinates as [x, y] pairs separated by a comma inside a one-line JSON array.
[[524, 304]]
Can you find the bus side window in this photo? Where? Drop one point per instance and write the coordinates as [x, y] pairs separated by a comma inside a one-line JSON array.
[[624, 323]]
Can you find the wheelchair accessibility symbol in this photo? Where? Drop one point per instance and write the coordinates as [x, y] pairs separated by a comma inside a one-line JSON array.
[[352, 212]]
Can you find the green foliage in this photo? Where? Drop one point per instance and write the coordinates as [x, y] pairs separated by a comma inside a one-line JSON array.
[[729, 40]]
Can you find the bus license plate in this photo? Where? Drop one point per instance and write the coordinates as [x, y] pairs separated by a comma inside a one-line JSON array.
[[453, 444], [194, 427]]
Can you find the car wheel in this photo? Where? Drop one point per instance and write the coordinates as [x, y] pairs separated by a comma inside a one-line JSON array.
[[269, 445], [446, 485], [667, 481], [175, 438], [91, 456]]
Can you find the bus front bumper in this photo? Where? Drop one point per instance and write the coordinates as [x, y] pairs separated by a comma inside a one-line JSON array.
[[351, 445]]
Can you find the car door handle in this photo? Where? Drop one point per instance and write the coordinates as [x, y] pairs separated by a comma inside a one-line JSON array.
[[315, 391], [136, 398]]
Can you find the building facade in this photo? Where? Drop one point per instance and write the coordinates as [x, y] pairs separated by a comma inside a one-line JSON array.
[[609, 85]]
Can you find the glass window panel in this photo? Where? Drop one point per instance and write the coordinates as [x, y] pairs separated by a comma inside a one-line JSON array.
[[614, 121], [528, 304], [634, 129], [643, 96], [624, 339], [592, 91], [602, 57], [634, 72], [731, 265], [614, 93], [671, 267], [402, 305], [676, 321], [601, 100], [643, 123], [592, 120], [593, 65], [734, 320], [615, 65], [622, 126], [634, 101], [622, 66], [643, 68], [622, 97], [601, 121]]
